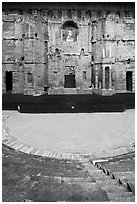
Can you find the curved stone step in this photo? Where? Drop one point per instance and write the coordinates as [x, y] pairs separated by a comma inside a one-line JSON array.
[[115, 191]]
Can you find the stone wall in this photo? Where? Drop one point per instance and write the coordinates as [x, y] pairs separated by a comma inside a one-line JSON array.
[[25, 51], [69, 57], [113, 45], [43, 42]]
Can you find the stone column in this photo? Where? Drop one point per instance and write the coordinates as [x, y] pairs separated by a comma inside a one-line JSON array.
[[110, 78], [96, 79], [103, 77]]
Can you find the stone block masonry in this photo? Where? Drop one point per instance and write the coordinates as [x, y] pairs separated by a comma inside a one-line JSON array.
[[68, 45]]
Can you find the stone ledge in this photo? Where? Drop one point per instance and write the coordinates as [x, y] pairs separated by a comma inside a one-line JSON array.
[[104, 92], [71, 91]]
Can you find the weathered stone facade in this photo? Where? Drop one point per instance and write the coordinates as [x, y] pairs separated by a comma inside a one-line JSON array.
[[62, 48]]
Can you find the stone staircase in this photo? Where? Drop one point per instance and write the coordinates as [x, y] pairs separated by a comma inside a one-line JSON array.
[[114, 176], [121, 168], [116, 191]]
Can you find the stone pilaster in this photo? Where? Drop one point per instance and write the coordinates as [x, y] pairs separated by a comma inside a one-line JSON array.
[[110, 78], [103, 77]]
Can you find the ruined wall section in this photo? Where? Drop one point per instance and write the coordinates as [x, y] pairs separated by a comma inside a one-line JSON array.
[[113, 43], [122, 35], [12, 49], [69, 57], [25, 51], [35, 52], [37, 55]]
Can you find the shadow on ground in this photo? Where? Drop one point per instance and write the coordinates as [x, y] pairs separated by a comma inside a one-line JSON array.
[[68, 103]]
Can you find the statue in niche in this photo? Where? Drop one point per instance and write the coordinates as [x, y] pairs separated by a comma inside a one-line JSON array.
[[70, 31], [70, 36]]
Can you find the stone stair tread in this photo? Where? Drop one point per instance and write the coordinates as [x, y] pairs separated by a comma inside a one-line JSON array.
[[120, 158], [122, 161], [119, 168], [116, 163], [102, 177], [113, 189], [126, 197], [119, 165], [123, 199], [124, 176], [115, 171], [108, 181], [87, 180], [127, 179], [120, 194]]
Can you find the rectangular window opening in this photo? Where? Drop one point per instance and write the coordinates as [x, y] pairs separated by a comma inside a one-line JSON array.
[[9, 81], [107, 77], [129, 80], [84, 75], [30, 78]]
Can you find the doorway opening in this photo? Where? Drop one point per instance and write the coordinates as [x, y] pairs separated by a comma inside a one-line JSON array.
[[129, 80], [9, 82], [70, 81], [106, 77]]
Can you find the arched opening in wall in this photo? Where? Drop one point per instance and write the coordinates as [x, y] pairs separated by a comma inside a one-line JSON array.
[[69, 31], [82, 52], [107, 77], [129, 80], [9, 81]]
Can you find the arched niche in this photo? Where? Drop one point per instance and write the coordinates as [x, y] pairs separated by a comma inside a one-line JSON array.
[[69, 31]]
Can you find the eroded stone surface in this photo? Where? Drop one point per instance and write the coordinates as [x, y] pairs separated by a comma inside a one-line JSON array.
[[88, 48]]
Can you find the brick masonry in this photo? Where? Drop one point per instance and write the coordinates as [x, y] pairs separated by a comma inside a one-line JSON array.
[[44, 42]]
